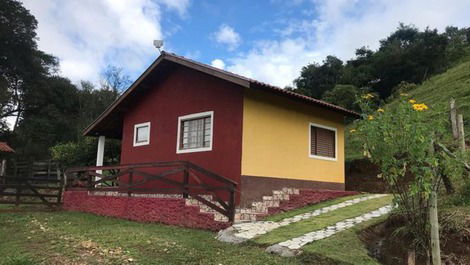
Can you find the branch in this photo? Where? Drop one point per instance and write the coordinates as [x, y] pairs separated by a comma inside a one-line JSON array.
[[449, 153]]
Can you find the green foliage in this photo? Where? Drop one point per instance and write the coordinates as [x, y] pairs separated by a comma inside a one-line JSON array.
[[315, 79], [83, 152], [400, 139], [344, 96], [407, 54], [23, 67]]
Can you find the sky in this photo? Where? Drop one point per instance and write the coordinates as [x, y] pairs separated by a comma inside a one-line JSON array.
[[268, 40]]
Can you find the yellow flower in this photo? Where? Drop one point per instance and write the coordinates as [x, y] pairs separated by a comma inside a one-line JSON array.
[[367, 96], [420, 107], [412, 101], [370, 117], [380, 110], [403, 94], [352, 130]]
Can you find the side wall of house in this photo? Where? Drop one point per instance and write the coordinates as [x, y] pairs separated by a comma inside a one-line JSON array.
[[275, 150], [184, 92]]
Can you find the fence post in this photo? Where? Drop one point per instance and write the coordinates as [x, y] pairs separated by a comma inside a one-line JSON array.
[[131, 176], [185, 180], [3, 168], [453, 119], [231, 204], [461, 132]]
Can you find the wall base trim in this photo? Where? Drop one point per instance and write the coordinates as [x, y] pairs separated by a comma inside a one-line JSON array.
[[253, 188]]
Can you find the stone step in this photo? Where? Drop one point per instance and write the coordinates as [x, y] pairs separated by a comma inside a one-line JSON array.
[[257, 210]]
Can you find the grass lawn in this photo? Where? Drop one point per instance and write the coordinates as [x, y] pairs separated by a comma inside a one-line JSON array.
[[310, 208], [345, 246], [321, 221], [78, 238], [28, 236]]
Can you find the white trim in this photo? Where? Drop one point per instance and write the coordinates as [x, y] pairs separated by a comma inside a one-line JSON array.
[[190, 117], [139, 125], [310, 142]]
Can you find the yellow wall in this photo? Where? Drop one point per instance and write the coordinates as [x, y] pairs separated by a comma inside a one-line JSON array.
[[276, 139]]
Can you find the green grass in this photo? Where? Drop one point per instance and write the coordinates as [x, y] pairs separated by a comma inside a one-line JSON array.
[[436, 92], [78, 238], [29, 236], [321, 221], [310, 208], [345, 246]]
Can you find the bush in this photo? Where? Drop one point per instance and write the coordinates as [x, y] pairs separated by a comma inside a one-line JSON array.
[[401, 141]]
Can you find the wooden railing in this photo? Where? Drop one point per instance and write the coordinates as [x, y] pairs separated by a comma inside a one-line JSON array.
[[170, 177], [27, 190]]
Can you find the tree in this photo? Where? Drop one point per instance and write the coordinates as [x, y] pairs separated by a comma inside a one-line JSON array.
[[50, 115], [114, 79], [344, 96], [315, 79], [22, 65]]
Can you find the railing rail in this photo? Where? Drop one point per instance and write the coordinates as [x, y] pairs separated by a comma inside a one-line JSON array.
[[181, 177], [26, 190]]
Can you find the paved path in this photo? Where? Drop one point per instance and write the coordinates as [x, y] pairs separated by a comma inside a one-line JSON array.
[[241, 232], [291, 247]]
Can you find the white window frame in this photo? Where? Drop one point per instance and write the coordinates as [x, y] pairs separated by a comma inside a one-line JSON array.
[[310, 142], [140, 125], [190, 117]]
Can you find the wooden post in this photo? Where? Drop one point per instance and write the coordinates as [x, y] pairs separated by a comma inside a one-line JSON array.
[[231, 204], [435, 247], [461, 132], [433, 218], [3, 168], [185, 181], [453, 119], [411, 257], [131, 176]]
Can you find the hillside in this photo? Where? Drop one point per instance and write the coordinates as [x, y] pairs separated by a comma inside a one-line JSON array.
[[436, 93]]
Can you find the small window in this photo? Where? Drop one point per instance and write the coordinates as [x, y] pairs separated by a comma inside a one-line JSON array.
[[195, 132], [322, 142], [142, 134]]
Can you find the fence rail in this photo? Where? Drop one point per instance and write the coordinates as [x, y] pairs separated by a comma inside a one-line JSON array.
[[27, 190], [180, 177]]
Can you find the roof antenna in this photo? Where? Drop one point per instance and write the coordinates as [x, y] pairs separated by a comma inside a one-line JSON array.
[[158, 44]]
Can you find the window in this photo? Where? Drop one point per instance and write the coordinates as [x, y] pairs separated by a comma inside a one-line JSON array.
[[142, 134], [195, 132], [322, 142]]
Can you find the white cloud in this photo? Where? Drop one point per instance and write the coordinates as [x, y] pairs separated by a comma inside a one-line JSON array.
[[88, 34], [218, 63], [226, 35], [338, 28]]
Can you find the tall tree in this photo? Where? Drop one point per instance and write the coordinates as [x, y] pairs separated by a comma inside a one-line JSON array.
[[22, 65], [315, 79]]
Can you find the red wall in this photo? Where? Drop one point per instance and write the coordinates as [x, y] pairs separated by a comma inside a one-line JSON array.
[[172, 211], [185, 92]]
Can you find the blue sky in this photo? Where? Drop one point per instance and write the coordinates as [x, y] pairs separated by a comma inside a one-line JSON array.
[[267, 40]]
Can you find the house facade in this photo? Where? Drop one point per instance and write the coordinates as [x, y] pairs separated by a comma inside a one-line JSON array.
[[262, 137]]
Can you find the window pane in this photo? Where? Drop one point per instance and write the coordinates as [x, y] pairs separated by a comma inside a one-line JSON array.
[[196, 133], [142, 134]]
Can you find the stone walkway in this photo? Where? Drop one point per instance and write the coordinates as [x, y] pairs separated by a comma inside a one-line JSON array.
[[292, 247], [241, 232]]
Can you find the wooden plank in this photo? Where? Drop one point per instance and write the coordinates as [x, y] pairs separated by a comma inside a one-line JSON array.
[[25, 186], [461, 132], [16, 194]]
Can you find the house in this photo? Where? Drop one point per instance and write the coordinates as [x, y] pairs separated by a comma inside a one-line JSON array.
[[261, 137], [5, 150]]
